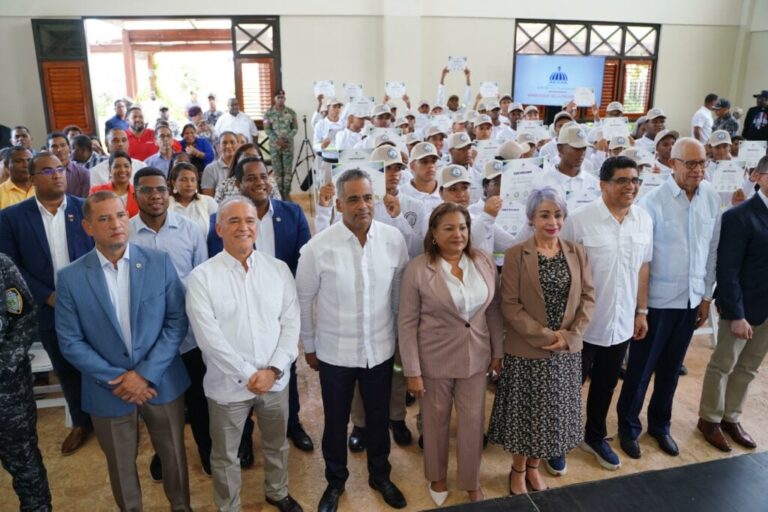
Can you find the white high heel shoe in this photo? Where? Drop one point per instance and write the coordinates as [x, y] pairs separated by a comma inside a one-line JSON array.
[[438, 497]]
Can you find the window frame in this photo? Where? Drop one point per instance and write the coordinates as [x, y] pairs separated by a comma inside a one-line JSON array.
[[619, 56]]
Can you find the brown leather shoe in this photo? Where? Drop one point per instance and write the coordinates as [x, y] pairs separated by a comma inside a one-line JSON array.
[[76, 438], [738, 434], [714, 435]]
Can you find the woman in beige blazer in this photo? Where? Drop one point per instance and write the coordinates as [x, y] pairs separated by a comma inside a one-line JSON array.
[[547, 301], [450, 336]]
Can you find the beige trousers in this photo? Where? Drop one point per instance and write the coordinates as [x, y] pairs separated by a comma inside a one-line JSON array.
[[732, 367], [119, 440], [227, 422], [440, 396]]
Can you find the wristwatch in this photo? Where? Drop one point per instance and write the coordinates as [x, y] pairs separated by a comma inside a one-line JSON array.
[[277, 371], [640, 311]]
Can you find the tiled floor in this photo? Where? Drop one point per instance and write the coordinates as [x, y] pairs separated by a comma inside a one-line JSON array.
[[81, 479]]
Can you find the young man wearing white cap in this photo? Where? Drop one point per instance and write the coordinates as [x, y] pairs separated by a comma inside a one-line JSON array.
[[656, 123], [453, 101], [664, 141], [423, 187], [460, 147], [614, 109], [531, 113], [326, 129], [515, 114], [483, 127], [577, 186], [549, 150], [720, 143], [436, 136], [350, 136]]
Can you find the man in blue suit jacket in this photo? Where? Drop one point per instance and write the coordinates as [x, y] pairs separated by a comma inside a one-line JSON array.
[[742, 299], [120, 319], [282, 234], [41, 235]]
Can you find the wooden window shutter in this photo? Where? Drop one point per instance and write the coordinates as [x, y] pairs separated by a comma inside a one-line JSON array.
[[610, 84], [63, 65], [67, 95]]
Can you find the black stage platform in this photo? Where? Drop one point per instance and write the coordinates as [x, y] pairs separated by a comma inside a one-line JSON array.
[[726, 485]]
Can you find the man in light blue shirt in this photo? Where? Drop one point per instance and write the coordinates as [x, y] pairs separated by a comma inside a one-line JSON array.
[[162, 159], [157, 228], [682, 275]]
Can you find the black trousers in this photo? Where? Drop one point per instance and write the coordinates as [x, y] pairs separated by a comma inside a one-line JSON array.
[[337, 385], [197, 405], [602, 365], [69, 378], [660, 355]]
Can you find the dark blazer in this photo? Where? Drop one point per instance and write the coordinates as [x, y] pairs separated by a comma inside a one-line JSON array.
[[91, 339], [291, 233], [22, 237], [523, 306], [434, 338], [742, 263]]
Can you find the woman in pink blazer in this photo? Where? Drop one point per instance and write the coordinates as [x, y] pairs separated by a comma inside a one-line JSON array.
[[450, 336]]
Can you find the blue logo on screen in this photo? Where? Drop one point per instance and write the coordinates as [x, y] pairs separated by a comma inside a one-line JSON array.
[[558, 77]]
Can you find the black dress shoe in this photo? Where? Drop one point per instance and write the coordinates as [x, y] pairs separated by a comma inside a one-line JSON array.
[[389, 491], [630, 446], [667, 444], [330, 500], [410, 399], [400, 433], [683, 370], [357, 440], [286, 504], [300, 438], [156, 469]]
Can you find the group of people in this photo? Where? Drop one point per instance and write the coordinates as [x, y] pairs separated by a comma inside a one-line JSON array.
[[162, 291]]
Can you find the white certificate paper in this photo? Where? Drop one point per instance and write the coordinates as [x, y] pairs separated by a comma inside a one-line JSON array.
[[355, 155], [489, 89], [361, 106], [584, 96], [395, 90], [728, 176], [352, 90], [615, 127], [324, 87], [457, 63], [374, 169], [651, 180], [486, 151], [751, 151], [530, 126]]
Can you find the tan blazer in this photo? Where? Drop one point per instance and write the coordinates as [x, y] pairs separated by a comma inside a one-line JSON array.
[[434, 338], [522, 301]]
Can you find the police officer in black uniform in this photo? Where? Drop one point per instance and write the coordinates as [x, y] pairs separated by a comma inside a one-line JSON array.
[[19, 453]]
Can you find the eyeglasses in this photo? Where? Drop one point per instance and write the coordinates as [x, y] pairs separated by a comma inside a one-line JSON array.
[[623, 182], [50, 171], [148, 191], [692, 164]]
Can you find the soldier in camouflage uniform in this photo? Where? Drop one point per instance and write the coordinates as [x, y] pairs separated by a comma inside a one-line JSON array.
[[281, 125], [19, 453]]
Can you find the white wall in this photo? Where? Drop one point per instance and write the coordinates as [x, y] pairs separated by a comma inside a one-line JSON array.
[[371, 41], [755, 69], [692, 62]]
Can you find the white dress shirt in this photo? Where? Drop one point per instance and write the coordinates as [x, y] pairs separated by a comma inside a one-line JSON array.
[[430, 200], [119, 288], [682, 270], [646, 144], [577, 191], [243, 322], [357, 289], [347, 139], [101, 173], [265, 242], [468, 294], [703, 119], [56, 234], [198, 211], [616, 253], [325, 128], [241, 123]]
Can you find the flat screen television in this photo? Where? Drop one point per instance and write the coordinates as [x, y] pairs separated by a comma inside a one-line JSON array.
[[551, 79]]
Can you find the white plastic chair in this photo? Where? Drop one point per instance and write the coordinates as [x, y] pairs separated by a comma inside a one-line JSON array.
[[41, 363]]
